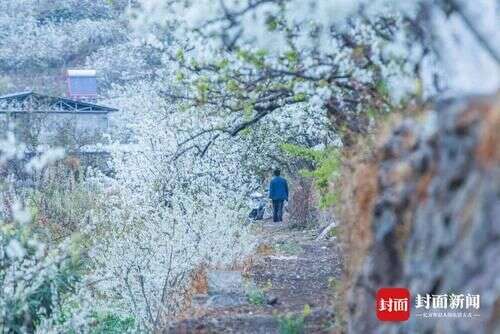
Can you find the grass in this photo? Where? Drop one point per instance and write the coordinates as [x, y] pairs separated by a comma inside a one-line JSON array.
[[256, 297], [289, 248], [110, 324], [293, 323], [285, 247], [333, 232]]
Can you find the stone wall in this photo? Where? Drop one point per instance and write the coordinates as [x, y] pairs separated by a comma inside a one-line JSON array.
[[58, 128], [435, 222]]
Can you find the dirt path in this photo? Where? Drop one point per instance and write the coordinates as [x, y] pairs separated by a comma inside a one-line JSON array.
[[291, 276]]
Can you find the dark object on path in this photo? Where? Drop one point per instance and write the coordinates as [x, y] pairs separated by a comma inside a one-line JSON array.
[[259, 204], [272, 300]]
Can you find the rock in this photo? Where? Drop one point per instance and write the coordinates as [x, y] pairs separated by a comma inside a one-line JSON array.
[[436, 218], [199, 300], [225, 282], [226, 300]]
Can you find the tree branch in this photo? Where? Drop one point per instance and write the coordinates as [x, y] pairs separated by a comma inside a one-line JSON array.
[[480, 38]]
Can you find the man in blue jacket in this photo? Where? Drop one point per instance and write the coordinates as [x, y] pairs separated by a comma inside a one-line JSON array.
[[278, 192]]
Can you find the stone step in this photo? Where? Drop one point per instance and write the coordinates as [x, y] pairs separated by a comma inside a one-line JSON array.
[[218, 301], [317, 322], [225, 289], [225, 282]]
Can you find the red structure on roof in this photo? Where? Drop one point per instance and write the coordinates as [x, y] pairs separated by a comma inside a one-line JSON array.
[[82, 84]]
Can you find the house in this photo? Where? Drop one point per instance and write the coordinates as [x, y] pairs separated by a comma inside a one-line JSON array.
[[75, 122], [41, 119]]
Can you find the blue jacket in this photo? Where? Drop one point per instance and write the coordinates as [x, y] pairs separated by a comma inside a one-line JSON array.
[[278, 189]]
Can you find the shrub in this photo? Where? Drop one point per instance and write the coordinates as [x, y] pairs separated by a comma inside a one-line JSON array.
[[326, 165], [292, 323], [35, 279], [40, 283], [60, 204], [110, 323], [256, 296]]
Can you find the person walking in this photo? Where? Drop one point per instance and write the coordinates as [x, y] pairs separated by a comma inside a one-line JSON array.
[[278, 193]]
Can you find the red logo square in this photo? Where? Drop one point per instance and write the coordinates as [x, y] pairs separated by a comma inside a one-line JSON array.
[[393, 304]]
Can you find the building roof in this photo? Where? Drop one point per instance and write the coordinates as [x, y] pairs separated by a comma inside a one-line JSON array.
[[30, 101]]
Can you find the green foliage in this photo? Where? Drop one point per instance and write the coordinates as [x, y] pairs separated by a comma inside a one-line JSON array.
[[300, 97], [180, 55], [246, 132], [256, 58], [194, 64], [290, 324], [326, 168], [272, 23], [293, 324], [256, 297], [112, 324], [202, 89], [333, 283], [223, 64], [233, 86], [302, 152], [371, 112], [333, 232], [248, 110], [323, 83], [179, 76], [42, 288], [382, 88], [292, 56]]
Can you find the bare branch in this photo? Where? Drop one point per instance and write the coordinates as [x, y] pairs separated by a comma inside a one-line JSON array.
[[480, 38]]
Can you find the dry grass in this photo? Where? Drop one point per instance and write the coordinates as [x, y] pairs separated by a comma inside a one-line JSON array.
[[356, 213], [358, 184], [359, 187], [488, 150], [244, 266], [199, 282], [265, 249]]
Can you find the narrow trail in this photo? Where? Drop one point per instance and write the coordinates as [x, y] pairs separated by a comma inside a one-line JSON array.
[[289, 271]]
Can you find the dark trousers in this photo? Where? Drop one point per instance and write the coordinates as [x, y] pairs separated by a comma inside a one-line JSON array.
[[278, 210]]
